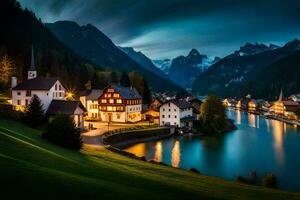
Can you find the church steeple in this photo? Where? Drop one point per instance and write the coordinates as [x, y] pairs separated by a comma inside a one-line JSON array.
[[32, 73], [280, 95]]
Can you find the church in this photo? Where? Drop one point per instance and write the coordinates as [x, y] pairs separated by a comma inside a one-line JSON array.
[[51, 93], [47, 89]]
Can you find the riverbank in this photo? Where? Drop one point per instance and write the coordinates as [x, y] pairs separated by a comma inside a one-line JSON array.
[[127, 138], [33, 168], [269, 116]]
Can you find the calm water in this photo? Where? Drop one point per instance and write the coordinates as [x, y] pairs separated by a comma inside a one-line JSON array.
[[264, 145]]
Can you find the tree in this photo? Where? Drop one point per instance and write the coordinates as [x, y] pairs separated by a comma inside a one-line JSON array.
[[6, 69], [62, 131], [34, 114], [113, 78], [124, 80], [212, 115], [146, 93]]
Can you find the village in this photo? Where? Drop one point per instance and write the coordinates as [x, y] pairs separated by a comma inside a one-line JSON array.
[[283, 109], [115, 107], [97, 111]]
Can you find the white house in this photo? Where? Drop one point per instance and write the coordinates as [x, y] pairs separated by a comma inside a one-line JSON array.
[[177, 113], [89, 98], [74, 109], [47, 89], [120, 104]]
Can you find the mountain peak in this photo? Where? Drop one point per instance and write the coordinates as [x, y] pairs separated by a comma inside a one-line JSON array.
[[292, 45], [194, 52]]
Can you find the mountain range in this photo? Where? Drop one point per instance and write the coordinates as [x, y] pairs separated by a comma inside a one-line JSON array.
[[143, 61], [90, 43], [182, 70], [243, 71]]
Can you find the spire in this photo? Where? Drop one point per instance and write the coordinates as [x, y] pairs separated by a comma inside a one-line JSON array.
[[32, 66], [280, 95]]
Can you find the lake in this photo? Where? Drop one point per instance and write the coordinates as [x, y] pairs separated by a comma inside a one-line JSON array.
[[260, 144]]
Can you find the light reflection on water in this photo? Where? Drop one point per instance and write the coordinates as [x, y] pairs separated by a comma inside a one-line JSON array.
[[264, 145]]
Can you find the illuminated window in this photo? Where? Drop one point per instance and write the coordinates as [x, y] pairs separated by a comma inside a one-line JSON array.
[[108, 95], [110, 90], [111, 108], [119, 100], [111, 101], [116, 95], [103, 101]]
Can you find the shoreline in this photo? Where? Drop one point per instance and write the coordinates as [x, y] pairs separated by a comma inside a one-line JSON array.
[[263, 114]]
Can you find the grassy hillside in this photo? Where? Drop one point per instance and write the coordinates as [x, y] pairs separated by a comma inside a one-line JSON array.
[[31, 167]]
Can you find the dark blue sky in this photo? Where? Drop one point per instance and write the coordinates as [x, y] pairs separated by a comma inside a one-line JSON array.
[[168, 28]]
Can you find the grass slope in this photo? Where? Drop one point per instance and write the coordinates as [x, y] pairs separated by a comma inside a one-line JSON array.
[[31, 167]]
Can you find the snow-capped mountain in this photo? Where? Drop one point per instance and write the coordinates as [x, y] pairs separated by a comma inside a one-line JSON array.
[[184, 69], [164, 65], [233, 73]]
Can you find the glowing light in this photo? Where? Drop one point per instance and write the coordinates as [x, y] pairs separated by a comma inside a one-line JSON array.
[[176, 154], [158, 152], [69, 96]]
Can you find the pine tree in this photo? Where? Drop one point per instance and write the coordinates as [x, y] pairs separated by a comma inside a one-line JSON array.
[[113, 78], [125, 81], [34, 115], [62, 131], [146, 93], [6, 69]]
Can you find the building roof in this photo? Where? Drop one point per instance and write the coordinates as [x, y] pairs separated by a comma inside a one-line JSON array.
[[127, 92], [182, 104], [290, 103], [91, 94], [40, 83], [64, 107], [187, 119]]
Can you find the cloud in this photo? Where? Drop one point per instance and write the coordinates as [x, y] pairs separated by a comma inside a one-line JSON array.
[[165, 28]]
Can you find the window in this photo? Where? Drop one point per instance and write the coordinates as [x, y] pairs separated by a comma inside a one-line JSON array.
[[111, 101], [119, 108], [175, 110], [175, 116], [55, 87], [60, 94], [169, 116], [163, 116], [110, 90], [169, 104], [116, 95], [28, 93], [19, 93], [108, 95], [163, 122], [59, 87], [111, 108], [119, 100], [174, 123], [18, 102], [47, 93], [163, 109], [169, 110], [26, 102], [118, 116], [103, 101]]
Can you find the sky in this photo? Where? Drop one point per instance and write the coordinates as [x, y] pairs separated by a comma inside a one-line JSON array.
[[169, 28]]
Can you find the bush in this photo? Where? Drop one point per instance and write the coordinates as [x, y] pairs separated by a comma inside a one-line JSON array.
[[63, 132], [270, 181], [194, 170], [34, 115], [251, 179]]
